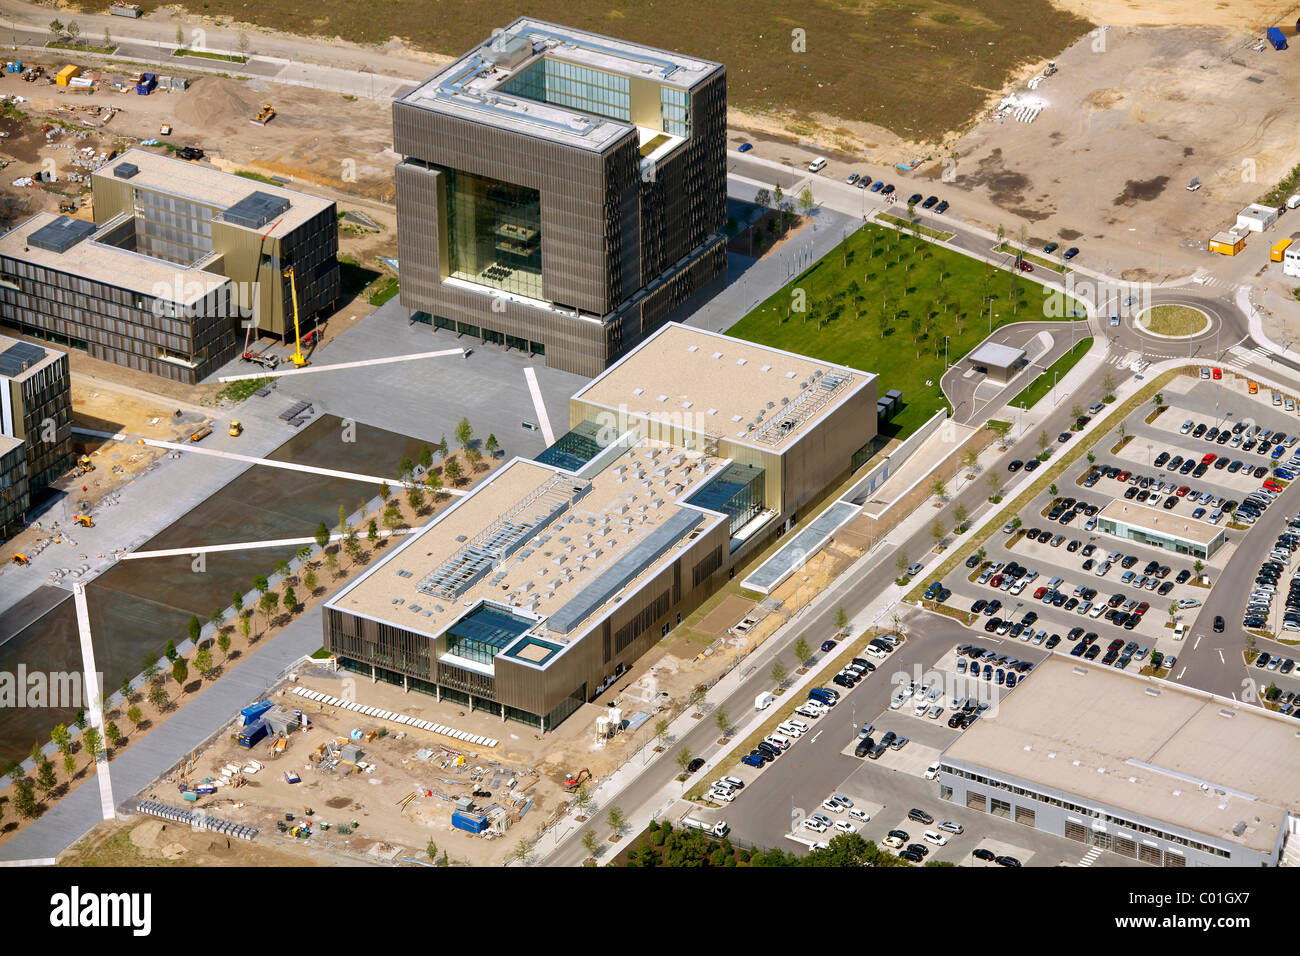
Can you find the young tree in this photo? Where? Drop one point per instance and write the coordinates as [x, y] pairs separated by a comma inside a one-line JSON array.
[[763, 198], [426, 457], [1044, 442], [290, 600], [590, 842], [282, 568], [451, 468], [970, 459], [841, 618], [180, 36], [69, 764], [269, 602], [432, 849], [203, 659], [938, 531], [415, 497], [243, 43], [661, 731], [938, 489], [1076, 410], [902, 563], [194, 628], [779, 673], [245, 625], [684, 757], [385, 493], [1197, 567], [1108, 384], [1159, 399], [216, 619], [124, 688], [372, 532], [24, 799], [92, 742], [74, 29], [994, 481], [491, 446], [433, 484], [180, 672], [323, 532], [113, 734], [223, 641], [62, 738], [583, 800], [464, 433], [332, 562], [260, 584], [1051, 489], [806, 201], [309, 581], [696, 696], [45, 778], [722, 721], [392, 517], [56, 28], [801, 650], [169, 651], [237, 602], [158, 697], [134, 715]]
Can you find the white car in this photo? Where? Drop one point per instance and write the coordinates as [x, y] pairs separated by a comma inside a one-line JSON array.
[[932, 771], [951, 827], [933, 836], [815, 825], [935, 711], [1097, 610], [896, 701], [776, 740], [831, 804], [844, 801], [956, 702], [1186, 603], [860, 815], [922, 705], [721, 796], [844, 826], [798, 725]]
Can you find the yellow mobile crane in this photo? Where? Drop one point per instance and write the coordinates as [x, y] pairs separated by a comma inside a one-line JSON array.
[[299, 360]]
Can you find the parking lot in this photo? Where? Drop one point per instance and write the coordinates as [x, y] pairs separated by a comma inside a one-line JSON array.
[[1204, 469], [775, 801]]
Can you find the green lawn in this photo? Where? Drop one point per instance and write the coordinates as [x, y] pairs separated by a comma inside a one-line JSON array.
[[914, 225], [1043, 384], [883, 302]]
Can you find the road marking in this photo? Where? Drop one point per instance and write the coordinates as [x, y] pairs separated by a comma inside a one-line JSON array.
[[1198, 641], [43, 861], [539, 406], [1181, 673], [1221, 660], [234, 456], [90, 684], [815, 736], [363, 363], [245, 545]]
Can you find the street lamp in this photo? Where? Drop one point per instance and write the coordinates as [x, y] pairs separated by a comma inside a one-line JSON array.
[[945, 353]]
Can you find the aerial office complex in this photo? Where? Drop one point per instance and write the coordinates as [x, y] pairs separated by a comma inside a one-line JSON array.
[[532, 594], [35, 423], [1162, 773], [562, 193], [180, 256]]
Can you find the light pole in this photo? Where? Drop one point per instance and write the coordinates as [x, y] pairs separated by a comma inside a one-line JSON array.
[[945, 353], [1055, 376]]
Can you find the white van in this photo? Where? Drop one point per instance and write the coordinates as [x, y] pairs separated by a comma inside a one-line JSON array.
[[817, 165], [1293, 202], [764, 700]]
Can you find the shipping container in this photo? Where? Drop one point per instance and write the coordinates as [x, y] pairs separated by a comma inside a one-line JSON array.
[[1277, 38], [1279, 249], [469, 822], [250, 735], [253, 712], [65, 74]]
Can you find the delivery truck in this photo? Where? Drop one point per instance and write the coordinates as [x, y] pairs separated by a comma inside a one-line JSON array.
[[718, 829]]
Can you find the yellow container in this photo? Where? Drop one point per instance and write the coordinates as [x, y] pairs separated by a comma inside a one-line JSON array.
[[67, 73], [1276, 254]]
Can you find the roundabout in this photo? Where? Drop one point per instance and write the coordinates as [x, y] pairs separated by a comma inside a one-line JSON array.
[[1172, 321]]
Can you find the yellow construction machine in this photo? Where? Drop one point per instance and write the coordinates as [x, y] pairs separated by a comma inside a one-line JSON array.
[[84, 520], [236, 429], [264, 115], [299, 360], [85, 465]]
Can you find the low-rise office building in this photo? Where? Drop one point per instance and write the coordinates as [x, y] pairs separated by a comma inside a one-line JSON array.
[[14, 495], [1000, 363], [562, 193], [1159, 528], [1154, 771], [529, 596], [36, 409], [180, 260]]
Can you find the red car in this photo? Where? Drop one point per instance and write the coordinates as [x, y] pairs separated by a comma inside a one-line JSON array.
[[1038, 595], [1272, 485], [1208, 458], [1181, 492], [1025, 266], [1123, 476], [996, 582], [1142, 609], [1218, 373]]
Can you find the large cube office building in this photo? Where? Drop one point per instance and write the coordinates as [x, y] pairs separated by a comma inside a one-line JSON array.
[[179, 255], [1162, 773], [562, 192], [533, 593]]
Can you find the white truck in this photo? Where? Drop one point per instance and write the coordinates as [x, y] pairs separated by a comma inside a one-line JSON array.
[[719, 829], [764, 700]]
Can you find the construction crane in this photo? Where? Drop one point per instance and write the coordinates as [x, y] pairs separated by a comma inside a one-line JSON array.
[[299, 360]]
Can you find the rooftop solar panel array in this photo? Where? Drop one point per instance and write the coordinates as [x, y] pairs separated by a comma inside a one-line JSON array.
[[19, 357], [61, 234]]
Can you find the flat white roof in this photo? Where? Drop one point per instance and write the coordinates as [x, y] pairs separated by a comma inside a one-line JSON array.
[[1159, 521], [1157, 749], [997, 355]]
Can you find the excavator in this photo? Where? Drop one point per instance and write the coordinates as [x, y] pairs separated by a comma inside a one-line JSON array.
[[573, 781], [84, 520], [21, 559]]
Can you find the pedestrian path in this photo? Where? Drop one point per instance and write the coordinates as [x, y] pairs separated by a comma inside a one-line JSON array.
[[1091, 856], [461, 735], [1241, 357]]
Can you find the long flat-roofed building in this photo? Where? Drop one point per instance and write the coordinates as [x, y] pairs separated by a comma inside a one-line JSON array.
[[179, 258], [561, 192], [1162, 773], [1159, 528], [532, 594]]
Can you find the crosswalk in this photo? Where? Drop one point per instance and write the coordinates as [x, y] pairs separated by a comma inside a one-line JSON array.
[[1091, 856], [1241, 358], [1207, 281]]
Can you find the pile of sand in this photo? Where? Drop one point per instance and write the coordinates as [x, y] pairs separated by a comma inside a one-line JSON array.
[[214, 101]]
